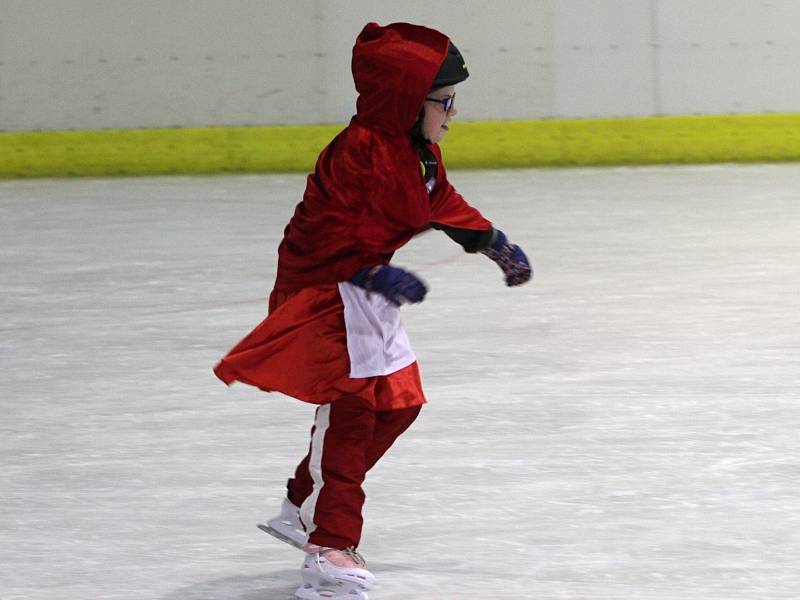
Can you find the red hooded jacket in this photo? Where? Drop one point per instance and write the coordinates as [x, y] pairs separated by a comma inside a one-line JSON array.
[[367, 196]]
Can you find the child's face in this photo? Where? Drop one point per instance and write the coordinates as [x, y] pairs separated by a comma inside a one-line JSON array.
[[434, 124]]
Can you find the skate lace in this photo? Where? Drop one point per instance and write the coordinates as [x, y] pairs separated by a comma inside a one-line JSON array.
[[355, 556], [321, 551]]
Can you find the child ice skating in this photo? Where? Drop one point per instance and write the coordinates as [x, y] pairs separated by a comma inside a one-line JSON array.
[[333, 336]]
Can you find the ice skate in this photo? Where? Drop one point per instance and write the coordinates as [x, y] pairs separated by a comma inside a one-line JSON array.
[[330, 574], [286, 526]]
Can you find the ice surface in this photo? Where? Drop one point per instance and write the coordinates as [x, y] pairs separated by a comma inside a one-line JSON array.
[[626, 427]]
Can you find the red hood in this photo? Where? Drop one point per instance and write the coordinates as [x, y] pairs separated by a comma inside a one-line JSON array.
[[393, 69]]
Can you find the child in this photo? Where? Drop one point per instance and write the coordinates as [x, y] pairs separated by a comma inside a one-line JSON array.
[[333, 336]]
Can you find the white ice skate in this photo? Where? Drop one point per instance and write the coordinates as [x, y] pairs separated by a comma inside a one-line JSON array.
[[287, 526], [330, 574]]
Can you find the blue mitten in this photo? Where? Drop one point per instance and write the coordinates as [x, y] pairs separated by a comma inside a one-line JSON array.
[[511, 260], [397, 285]]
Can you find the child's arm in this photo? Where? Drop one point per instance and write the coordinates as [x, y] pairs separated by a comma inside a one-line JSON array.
[[395, 284], [510, 258], [472, 240], [467, 226]]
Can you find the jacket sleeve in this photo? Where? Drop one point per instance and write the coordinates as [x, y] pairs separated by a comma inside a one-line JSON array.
[[452, 214]]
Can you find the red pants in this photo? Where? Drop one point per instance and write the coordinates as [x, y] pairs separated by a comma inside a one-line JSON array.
[[348, 438]]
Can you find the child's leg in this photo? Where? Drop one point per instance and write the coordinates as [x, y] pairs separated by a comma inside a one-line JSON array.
[[337, 464], [398, 399], [348, 438], [299, 487], [389, 425]]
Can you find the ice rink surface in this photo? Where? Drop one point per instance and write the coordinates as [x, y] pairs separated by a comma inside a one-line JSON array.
[[625, 427]]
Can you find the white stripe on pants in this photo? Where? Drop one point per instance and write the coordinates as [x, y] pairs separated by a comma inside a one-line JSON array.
[[322, 421]]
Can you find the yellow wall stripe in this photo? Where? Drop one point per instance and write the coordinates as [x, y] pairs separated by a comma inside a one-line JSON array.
[[489, 144]]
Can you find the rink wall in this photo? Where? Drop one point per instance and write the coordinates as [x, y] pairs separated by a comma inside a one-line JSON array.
[[491, 144], [96, 87]]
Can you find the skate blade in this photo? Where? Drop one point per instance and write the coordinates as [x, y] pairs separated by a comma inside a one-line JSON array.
[[309, 593], [278, 535]]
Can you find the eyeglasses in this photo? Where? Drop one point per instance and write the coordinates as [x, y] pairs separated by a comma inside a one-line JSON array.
[[446, 102]]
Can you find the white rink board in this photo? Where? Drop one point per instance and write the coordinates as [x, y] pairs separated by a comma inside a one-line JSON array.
[[95, 64], [624, 427]]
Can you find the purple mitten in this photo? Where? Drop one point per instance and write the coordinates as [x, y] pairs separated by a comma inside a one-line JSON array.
[[511, 260], [397, 285]]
